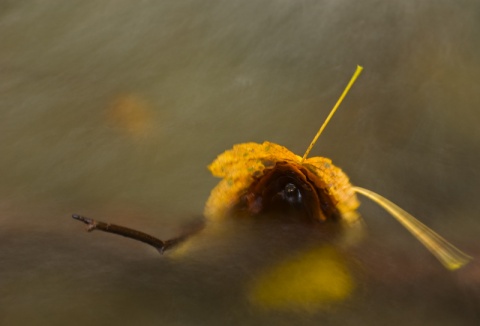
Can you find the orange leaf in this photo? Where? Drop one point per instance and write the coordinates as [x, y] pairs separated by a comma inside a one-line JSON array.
[[245, 165]]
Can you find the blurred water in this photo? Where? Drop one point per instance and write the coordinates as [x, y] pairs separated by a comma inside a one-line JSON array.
[[196, 77]]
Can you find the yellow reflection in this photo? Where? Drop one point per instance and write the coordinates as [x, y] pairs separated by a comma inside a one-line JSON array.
[[311, 281], [131, 114]]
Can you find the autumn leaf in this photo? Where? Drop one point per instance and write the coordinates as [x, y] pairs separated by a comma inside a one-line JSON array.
[[247, 163]]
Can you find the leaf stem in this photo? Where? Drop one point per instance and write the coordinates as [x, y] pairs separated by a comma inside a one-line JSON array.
[[339, 101]]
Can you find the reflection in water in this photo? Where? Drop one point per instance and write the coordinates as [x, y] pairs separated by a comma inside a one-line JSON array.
[[311, 281], [213, 74]]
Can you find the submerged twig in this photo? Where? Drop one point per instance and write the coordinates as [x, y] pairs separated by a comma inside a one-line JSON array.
[[158, 244]]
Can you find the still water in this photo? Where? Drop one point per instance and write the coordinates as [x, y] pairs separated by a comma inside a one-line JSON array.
[[113, 109]]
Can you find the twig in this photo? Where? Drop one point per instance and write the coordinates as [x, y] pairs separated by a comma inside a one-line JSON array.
[[158, 244]]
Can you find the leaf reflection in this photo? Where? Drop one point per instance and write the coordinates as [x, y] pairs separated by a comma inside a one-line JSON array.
[[314, 280]]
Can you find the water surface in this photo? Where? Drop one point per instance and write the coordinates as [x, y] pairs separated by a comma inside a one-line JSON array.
[[114, 109]]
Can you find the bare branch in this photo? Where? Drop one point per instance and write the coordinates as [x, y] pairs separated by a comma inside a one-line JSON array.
[[158, 244]]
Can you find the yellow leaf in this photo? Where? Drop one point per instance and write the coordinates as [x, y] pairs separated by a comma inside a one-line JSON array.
[[247, 163]]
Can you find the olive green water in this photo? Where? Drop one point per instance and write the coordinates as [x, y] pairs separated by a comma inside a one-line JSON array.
[[206, 75]]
